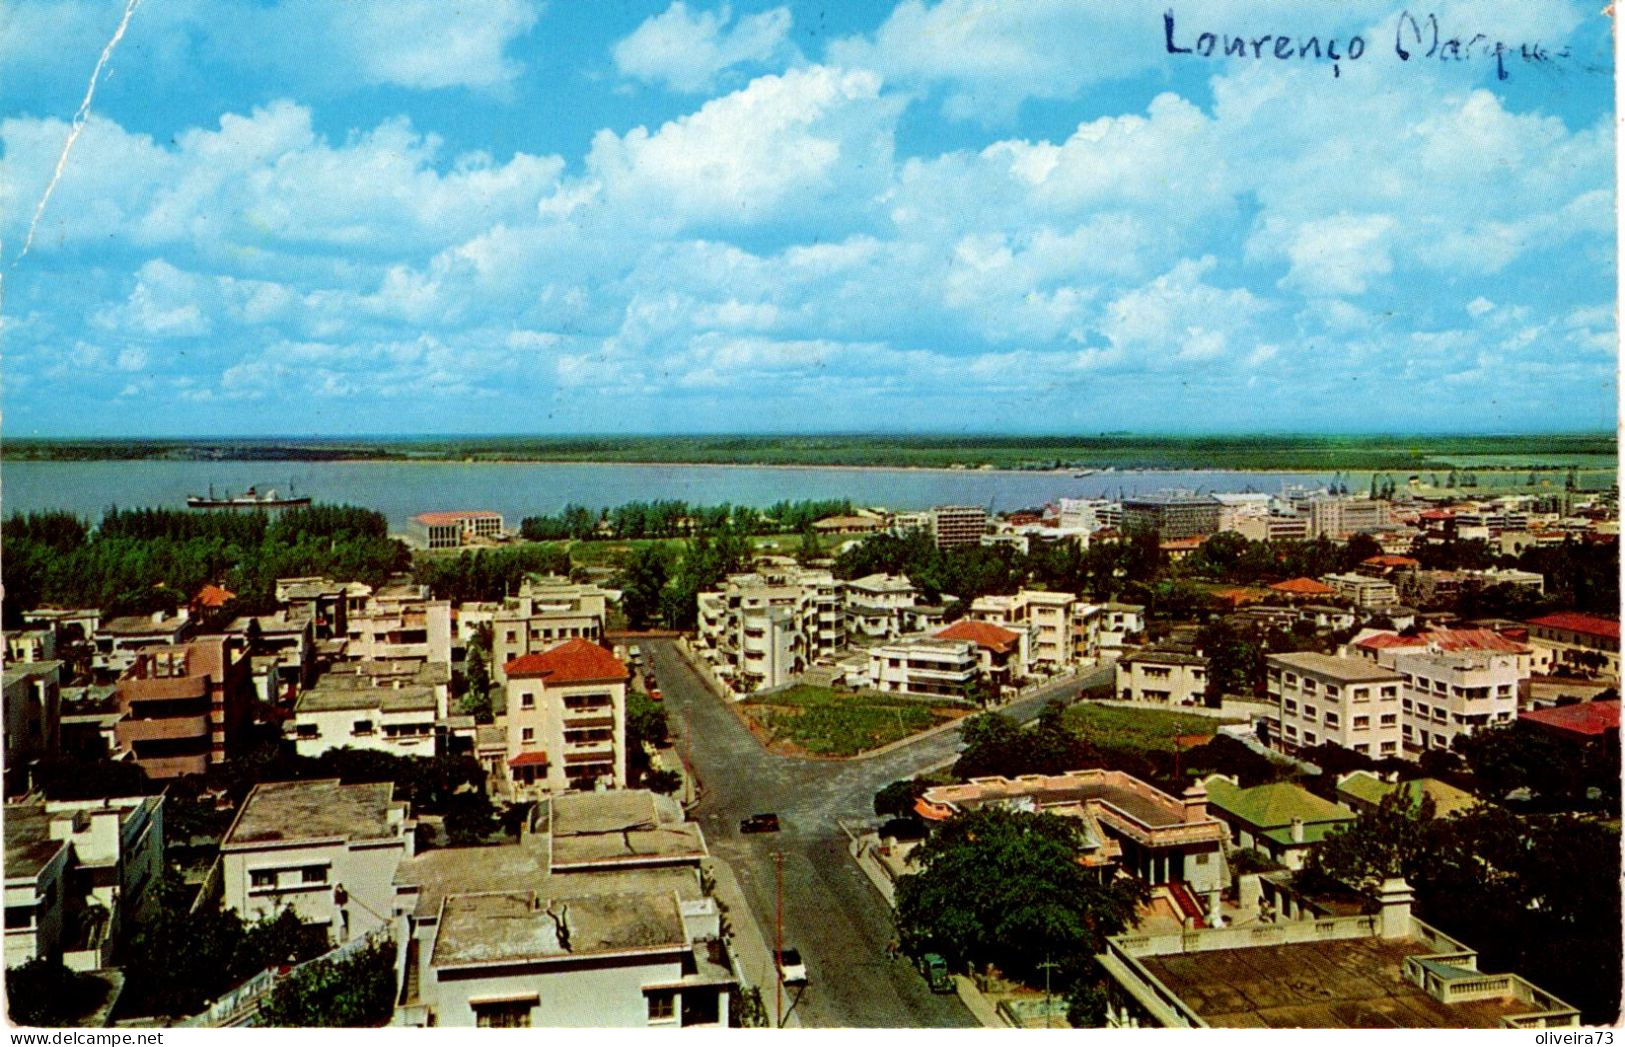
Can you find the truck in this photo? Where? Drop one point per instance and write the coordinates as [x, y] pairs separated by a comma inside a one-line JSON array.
[[935, 970]]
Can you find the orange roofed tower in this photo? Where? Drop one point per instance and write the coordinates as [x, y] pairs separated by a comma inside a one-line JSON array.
[[565, 720]]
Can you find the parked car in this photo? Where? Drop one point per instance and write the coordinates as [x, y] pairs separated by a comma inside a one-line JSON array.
[[935, 969], [792, 971], [760, 823]]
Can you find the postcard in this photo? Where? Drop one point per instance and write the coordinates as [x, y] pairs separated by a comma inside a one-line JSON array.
[[827, 514]]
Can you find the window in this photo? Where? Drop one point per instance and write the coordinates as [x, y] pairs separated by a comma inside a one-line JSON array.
[[308, 730], [262, 878], [1310, 738], [1312, 712], [503, 1014], [1363, 749], [1291, 731], [313, 874], [1406, 705], [1362, 723], [1331, 719], [1291, 706], [527, 734], [1390, 692], [1201, 859], [513, 636], [1388, 747], [362, 727], [19, 916], [527, 701], [662, 1006], [1389, 719]]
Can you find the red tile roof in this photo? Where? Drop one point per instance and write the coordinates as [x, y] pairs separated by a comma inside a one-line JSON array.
[[1303, 587], [573, 661], [1448, 640], [450, 519], [1438, 514], [1587, 718], [214, 596], [1391, 560], [982, 634], [1587, 624], [530, 759]]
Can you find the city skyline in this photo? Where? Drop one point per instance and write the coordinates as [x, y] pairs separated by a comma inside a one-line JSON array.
[[952, 217]]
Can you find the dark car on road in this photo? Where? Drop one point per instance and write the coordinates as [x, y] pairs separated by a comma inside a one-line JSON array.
[[760, 823]]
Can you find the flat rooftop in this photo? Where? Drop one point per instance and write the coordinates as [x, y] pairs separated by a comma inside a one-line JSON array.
[[1344, 984], [434, 875], [21, 670], [286, 812], [1129, 795], [1351, 670], [515, 926], [628, 827], [28, 840], [384, 699]]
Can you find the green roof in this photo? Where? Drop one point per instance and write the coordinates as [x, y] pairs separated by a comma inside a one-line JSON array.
[[1274, 806], [1369, 789]]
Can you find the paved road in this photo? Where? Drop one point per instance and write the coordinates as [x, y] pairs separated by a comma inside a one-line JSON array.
[[831, 911]]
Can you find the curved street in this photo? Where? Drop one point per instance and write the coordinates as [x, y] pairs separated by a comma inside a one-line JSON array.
[[831, 912]]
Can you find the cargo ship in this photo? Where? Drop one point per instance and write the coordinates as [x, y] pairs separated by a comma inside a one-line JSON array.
[[249, 499]]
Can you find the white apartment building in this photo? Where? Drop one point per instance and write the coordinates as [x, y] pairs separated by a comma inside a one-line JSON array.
[[1338, 517], [396, 720], [1047, 617], [1371, 594], [1446, 695], [1104, 630], [761, 629], [1086, 514], [546, 612], [77, 873], [1165, 675], [927, 666], [400, 621], [874, 606], [327, 851], [1325, 698], [566, 720]]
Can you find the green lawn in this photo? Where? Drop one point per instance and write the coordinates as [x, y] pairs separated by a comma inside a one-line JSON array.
[[1145, 730], [826, 722]]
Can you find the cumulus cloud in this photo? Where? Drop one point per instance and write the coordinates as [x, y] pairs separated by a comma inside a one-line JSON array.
[[686, 51]]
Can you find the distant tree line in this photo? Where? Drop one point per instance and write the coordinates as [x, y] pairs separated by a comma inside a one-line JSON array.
[[672, 518], [486, 574], [143, 560]]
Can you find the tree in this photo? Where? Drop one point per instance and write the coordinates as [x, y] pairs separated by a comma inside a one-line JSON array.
[[477, 700], [469, 819], [897, 799], [44, 992], [809, 549], [1004, 888], [642, 581], [357, 991]]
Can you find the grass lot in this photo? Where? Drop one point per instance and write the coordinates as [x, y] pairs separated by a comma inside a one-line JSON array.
[[1144, 730], [827, 722]]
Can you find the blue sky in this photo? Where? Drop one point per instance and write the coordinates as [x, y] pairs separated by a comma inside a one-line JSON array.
[[309, 217]]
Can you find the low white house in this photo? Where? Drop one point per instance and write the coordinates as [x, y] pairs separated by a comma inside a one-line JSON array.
[[397, 720], [328, 851]]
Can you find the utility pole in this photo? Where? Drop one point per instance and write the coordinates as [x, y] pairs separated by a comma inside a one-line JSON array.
[[1048, 966], [778, 941]]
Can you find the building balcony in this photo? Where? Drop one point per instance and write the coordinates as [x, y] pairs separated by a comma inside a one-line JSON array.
[[166, 728]]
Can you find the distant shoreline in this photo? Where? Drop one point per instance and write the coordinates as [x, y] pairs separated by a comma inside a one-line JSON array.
[[1102, 473]]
